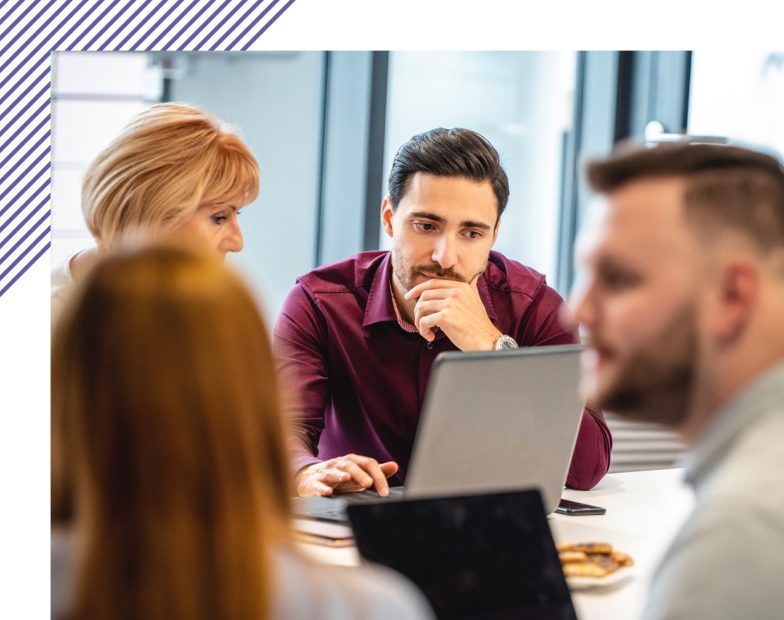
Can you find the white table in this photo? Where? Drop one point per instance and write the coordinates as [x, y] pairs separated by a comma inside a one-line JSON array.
[[644, 510]]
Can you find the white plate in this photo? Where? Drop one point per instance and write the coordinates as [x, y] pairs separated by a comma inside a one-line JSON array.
[[583, 583]]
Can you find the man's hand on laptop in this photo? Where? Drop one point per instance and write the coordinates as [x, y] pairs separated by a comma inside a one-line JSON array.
[[455, 308], [344, 474]]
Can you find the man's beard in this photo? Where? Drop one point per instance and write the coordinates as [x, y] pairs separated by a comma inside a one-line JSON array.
[[656, 383], [407, 276]]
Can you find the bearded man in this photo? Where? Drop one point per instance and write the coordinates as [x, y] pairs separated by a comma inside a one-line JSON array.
[[683, 309], [355, 340]]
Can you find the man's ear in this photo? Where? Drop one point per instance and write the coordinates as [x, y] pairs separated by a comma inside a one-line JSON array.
[[495, 230], [738, 294], [387, 212]]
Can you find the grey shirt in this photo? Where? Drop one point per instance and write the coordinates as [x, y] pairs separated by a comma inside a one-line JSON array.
[[727, 560], [303, 589]]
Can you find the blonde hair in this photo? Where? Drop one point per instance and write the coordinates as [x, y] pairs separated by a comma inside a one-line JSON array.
[[171, 159], [168, 439]]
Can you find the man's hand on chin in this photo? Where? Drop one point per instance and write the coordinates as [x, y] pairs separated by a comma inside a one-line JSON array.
[[456, 309], [344, 474]]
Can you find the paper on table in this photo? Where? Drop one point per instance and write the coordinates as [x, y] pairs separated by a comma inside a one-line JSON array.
[[323, 532]]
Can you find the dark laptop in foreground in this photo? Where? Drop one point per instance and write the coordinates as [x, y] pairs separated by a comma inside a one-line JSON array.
[[491, 421], [487, 556]]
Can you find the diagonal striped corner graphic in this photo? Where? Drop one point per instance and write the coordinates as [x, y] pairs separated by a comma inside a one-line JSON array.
[[30, 30]]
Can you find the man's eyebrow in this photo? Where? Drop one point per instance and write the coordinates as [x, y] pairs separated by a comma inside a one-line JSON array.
[[437, 218], [471, 224], [427, 216], [610, 262]]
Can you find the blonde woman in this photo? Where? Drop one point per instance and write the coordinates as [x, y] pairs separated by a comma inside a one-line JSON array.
[[173, 501], [173, 169]]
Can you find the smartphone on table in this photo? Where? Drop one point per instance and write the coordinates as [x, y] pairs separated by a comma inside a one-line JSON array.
[[570, 507]]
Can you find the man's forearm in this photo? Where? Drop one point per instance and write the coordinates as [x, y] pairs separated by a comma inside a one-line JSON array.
[[300, 453]]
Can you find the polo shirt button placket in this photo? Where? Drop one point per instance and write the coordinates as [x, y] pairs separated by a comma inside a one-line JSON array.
[[430, 346]]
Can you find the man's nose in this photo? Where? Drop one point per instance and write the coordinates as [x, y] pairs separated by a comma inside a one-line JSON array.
[[445, 252], [583, 305]]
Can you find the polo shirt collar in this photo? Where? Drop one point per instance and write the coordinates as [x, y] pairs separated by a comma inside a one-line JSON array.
[[379, 307]]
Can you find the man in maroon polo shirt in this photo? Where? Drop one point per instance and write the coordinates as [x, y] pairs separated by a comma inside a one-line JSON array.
[[355, 340]]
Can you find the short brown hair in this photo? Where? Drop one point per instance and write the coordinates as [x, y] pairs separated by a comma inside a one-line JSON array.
[[726, 186], [452, 152], [170, 160], [167, 440]]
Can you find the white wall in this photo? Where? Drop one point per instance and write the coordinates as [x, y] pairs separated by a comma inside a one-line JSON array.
[[521, 102], [739, 94], [275, 99]]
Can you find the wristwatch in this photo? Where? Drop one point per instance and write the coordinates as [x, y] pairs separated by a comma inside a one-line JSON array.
[[505, 342]]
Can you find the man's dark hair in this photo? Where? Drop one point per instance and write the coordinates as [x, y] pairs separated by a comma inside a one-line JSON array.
[[727, 187], [452, 152]]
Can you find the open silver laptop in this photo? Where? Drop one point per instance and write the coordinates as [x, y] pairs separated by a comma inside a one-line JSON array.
[[491, 421]]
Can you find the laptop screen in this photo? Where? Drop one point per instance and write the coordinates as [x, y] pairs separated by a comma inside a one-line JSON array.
[[479, 556]]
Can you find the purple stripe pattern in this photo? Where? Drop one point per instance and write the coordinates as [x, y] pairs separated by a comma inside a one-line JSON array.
[[30, 32]]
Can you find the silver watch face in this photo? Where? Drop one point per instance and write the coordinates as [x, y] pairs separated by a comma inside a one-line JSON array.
[[505, 342]]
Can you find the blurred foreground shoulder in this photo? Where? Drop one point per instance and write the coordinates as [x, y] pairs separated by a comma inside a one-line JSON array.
[[310, 590]]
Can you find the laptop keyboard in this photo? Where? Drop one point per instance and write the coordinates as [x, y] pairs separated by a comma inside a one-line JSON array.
[[334, 508], [330, 514], [363, 497]]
